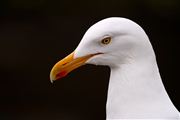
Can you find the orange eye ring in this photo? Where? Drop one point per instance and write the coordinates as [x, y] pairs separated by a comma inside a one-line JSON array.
[[106, 40]]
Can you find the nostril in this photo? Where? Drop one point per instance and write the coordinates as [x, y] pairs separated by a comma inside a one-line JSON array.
[[64, 63]]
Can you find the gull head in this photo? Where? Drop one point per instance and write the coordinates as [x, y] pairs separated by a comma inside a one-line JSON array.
[[110, 42]]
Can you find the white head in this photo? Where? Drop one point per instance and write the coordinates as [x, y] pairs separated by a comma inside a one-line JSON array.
[[127, 41]]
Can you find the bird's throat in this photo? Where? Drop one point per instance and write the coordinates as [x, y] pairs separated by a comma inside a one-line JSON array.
[[137, 92]]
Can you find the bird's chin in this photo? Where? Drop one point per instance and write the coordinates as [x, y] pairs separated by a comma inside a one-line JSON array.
[[93, 61], [97, 60]]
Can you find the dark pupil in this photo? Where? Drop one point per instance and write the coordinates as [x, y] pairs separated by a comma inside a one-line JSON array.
[[106, 41]]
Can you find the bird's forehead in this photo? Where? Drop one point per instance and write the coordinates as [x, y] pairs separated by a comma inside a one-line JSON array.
[[99, 30], [95, 32], [110, 26]]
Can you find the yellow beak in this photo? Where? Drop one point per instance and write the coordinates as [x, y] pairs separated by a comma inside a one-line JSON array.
[[66, 65]]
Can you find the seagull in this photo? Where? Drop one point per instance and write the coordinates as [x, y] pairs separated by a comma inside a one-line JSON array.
[[135, 88]]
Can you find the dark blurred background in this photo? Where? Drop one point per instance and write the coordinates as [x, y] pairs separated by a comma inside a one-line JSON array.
[[35, 34]]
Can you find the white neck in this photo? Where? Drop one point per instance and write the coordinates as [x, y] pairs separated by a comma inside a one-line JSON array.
[[137, 92]]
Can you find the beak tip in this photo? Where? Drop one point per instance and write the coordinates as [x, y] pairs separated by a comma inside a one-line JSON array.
[[52, 79]]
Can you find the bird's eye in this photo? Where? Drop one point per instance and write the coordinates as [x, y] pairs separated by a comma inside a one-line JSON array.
[[106, 40]]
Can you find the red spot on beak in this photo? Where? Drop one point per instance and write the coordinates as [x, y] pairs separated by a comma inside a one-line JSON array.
[[61, 74]]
